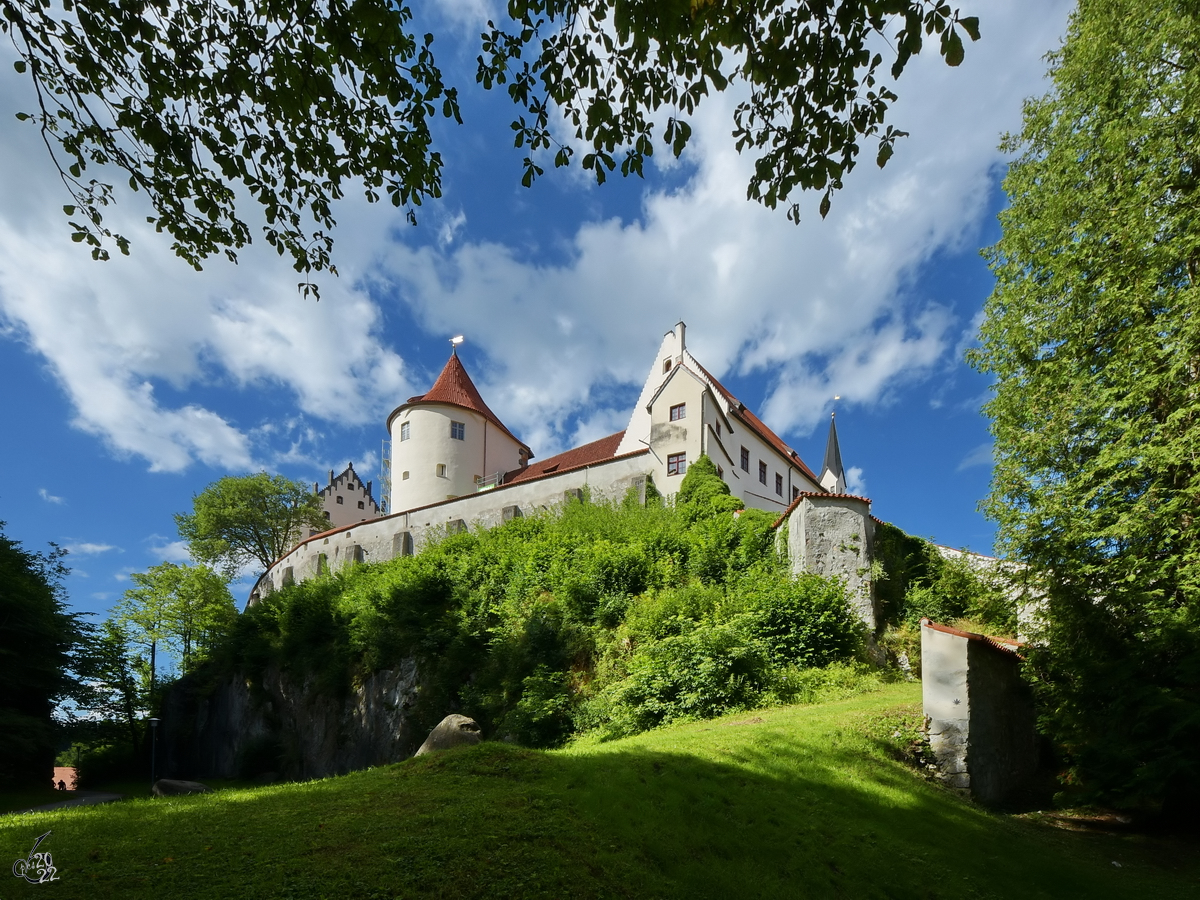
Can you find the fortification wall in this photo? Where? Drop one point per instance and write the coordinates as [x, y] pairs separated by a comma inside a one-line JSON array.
[[403, 533]]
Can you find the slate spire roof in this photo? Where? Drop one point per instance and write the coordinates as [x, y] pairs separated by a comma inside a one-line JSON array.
[[833, 476], [455, 388]]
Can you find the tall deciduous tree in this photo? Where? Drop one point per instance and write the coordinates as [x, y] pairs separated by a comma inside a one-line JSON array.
[[177, 607], [36, 639], [246, 519], [192, 102], [1093, 336]]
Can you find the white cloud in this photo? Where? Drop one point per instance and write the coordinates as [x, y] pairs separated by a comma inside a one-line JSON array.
[[49, 497], [826, 307], [84, 548], [171, 551], [980, 456], [855, 482]]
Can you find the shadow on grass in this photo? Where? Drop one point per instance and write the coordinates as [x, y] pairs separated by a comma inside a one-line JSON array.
[[763, 815]]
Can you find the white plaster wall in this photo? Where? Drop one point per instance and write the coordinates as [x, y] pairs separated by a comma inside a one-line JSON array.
[[430, 444], [683, 436], [638, 429], [377, 540], [947, 703], [833, 537]]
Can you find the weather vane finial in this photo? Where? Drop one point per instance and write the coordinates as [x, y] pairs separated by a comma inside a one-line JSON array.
[[454, 342], [833, 412]]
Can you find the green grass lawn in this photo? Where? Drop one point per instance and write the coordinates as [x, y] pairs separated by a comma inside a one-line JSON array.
[[792, 802]]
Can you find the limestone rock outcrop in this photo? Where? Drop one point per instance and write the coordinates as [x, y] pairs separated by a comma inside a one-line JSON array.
[[452, 731]]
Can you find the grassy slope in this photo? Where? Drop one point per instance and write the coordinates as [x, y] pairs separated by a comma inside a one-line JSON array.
[[794, 802]]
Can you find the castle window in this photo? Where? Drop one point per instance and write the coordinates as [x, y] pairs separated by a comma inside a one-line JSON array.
[[762, 471], [458, 431], [326, 514], [339, 500], [778, 484], [676, 463], [404, 476], [404, 432], [795, 492], [745, 460], [362, 504], [678, 411], [718, 429], [666, 365], [441, 470], [720, 472]]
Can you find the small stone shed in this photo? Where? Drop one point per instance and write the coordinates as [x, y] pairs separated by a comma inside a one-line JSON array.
[[978, 713]]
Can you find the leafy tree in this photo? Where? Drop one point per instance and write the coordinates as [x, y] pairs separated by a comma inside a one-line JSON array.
[[36, 639], [185, 607], [192, 103], [705, 491], [246, 519], [1093, 339], [111, 697]]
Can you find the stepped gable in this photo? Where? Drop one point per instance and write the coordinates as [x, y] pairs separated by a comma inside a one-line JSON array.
[[585, 455], [753, 422], [455, 388]]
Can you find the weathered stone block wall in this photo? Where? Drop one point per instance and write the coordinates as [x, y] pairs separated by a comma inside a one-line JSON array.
[[979, 714], [406, 532], [832, 536]]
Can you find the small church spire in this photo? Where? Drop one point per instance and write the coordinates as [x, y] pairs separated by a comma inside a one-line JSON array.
[[833, 477]]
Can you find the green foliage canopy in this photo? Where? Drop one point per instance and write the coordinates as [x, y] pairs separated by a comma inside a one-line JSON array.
[[1093, 339], [192, 103], [239, 520], [36, 638]]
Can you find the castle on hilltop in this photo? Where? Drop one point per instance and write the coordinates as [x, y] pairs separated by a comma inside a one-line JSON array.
[[454, 464]]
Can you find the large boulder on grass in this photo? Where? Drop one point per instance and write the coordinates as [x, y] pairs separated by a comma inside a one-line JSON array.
[[452, 731], [169, 787]]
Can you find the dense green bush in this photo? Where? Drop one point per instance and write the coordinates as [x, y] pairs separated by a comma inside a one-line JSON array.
[[610, 616]]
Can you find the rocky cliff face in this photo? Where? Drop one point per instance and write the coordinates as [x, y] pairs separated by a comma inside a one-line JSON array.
[[242, 728]]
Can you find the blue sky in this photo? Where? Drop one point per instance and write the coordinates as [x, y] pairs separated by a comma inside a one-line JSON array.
[[133, 384]]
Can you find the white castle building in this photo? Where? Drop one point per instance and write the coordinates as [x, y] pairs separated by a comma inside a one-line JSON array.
[[455, 465]]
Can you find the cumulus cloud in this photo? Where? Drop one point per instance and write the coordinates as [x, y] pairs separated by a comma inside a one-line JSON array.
[[855, 482], [128, 339], [170, 551], [827, 307], [49, 497], [84, 548]]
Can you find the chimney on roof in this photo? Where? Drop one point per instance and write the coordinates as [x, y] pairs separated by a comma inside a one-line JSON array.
[[331, 477], [316, 487], [833, 477], [681, 331]]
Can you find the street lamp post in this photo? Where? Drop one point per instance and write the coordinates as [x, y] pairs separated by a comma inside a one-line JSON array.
[[153, 748]]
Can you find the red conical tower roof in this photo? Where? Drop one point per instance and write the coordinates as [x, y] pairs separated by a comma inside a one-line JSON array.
[[455, 388]]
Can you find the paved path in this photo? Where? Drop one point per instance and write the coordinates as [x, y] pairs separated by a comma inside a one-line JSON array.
[[81, 798]]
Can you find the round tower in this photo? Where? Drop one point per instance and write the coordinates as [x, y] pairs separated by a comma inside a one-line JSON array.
[[447, 443]]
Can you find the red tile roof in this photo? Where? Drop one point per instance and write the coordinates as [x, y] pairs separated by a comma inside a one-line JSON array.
[[455, 388], [756, 424], [1003, 644], [586, 455], [824, 496]]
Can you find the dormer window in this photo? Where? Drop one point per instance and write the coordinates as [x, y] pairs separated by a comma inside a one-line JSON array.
[[458, 431], [678, 411], [404, 431]]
